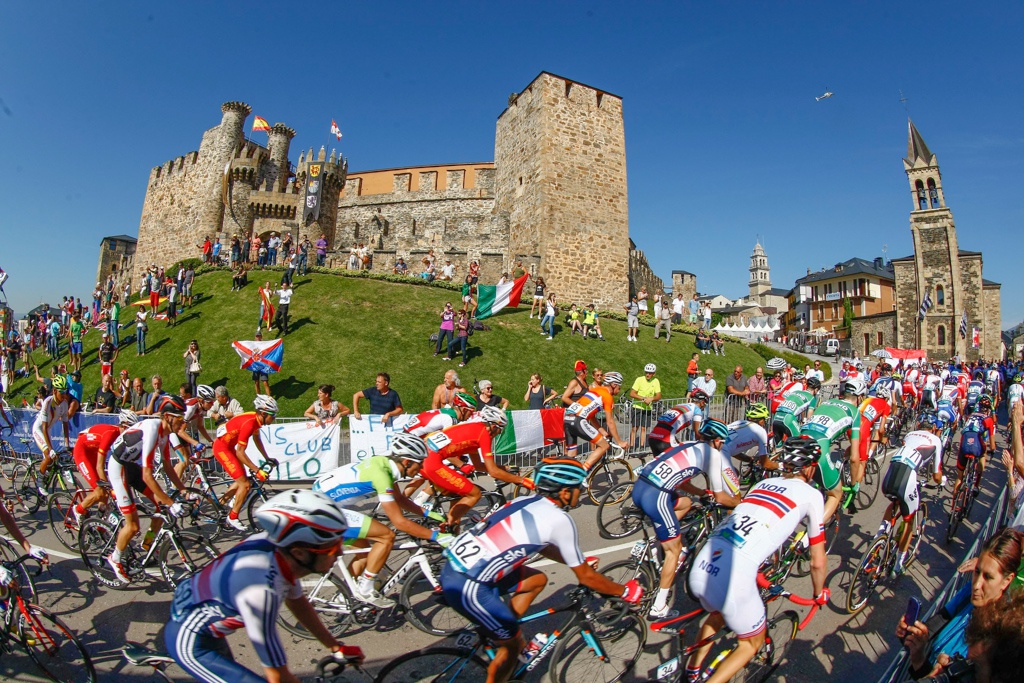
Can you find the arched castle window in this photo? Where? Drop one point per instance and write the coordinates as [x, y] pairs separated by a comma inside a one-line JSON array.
[[933, 193], [940, 295], [942, 335], [922, 197]]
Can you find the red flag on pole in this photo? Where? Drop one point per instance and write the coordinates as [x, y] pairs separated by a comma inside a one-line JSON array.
[[268, 308], [335, 131]]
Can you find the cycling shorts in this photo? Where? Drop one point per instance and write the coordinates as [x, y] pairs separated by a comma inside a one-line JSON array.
[[577, 427], [728, 586], [830, 467], [971, 446], [124, 479], [358, 525], [929, 398], [449, 480], [900, 486], [660, 506], [40, 439], [866, 432], [481, 603], [228, 460], [658, 446], [202, 655], [785, 427], [85, 459]]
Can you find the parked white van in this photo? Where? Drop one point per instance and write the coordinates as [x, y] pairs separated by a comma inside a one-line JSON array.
[[828, 347]]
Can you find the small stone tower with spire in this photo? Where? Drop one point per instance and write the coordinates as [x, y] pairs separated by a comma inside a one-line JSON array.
[[760, 275]]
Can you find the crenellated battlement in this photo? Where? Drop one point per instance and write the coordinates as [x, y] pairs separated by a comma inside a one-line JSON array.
[[177, 166], [239, 107]]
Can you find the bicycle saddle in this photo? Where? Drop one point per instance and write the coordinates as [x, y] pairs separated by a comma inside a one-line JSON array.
[[138, 655]]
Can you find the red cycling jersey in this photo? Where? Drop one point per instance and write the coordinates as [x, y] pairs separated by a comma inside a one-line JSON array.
[[458, 440], [873, 412], [235, 432], [91, 442]]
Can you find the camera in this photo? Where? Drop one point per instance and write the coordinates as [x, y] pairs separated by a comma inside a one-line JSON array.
[[959, 670]]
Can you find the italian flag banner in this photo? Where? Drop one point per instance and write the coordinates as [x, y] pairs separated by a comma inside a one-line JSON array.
[[530, 429], [493, 298]]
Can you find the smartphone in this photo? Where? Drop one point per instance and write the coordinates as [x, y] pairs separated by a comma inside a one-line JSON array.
[[913, 611]]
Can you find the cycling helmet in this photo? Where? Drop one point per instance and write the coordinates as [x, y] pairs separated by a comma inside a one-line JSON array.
[[798, 452], [204, 392], [127, 418], [856, 386], [714, 429], [700, 395], [464, 400], [798, 376], [883, 392], [171, 405], [897, 375], [650, 367], [814, 383], [985, 400], [302, 517], [408, 446], [493, 416], [1017, 379], [613, 378], [555, 474], [265, 404], [757, 411], [60, 383]]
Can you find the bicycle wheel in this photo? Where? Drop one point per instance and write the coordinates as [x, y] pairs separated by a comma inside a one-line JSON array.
[[10, 552], [867, 575], [257, 497], [53, 646], [334, 605], [871, 483], [95, 542], [920, 522], [425, 606], [183, 554], [62, 520], [802, 562], [970, 481], [640, 570], [436, 664], [956, 511], [489, 502], [779, 635], [8, 460], [620, 639], [206, 516], [617, 514], [27, 489], [607, 476]]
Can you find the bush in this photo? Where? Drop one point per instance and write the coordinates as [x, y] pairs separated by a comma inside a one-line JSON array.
[[797, 360], [193, 263]]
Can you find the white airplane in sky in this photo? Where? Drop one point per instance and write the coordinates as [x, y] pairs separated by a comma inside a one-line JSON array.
[[827, 95]]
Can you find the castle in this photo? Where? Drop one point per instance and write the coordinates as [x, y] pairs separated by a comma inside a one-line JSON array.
[[555, 197]]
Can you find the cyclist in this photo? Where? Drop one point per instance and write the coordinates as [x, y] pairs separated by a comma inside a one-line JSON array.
[[471, 439], [798, 407], [91, 456], [794, 385], [724, 573], [834, 419], [994, 384], [930, 385], [893, 384], [1014, 392], [374, 479], [977, 439], [657, 494], [245, 587], [672, 422], [195, 412], [55, 407], [874, 411], [952, 392], [581, 419], [974, 391], [948, 414], [489, 560], [131, 463], [748, 433], [463, 407], [229, 448], [920, 447]]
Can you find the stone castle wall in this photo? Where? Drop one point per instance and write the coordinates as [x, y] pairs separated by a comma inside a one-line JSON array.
[[685, 283], [641, 275], [871, 325], [991, 338], [117, 260]]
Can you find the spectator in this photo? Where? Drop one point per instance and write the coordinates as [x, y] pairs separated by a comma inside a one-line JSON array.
[[105, 401], [141, 327], [469, 299], [817, 372], [707, 383], [757, 387], [224, 407], [114, 320], [995, 640], [429, 272], [474, 272], [659, 299], [76, 330], [550, 311], [325, 409], [384, 400], [461, 340], [575, 320], [207, 248], [664, 318], [645, 392], [487, 397], [445, 392], [632, 309], [137, 397], [157, 385], [641, 300], [107, 353], [518, 271], [215, 252], [260, 247], [192, 366], [401, 267], [186, 292], [447, 271], [303, 252], [273, 244], [703, 341], [694, 306], [692, 371], [124, 389], [172, 302], [577, 385], [321, 250], [284, 298], [538, 297], [707, 316], [591, 321], [286, 244], [154, 290], [445, 333], [354, 260], [538, 395], [717, 343], [736, 393], [239, 279], [677, 308], [245, 250], [260, 379]]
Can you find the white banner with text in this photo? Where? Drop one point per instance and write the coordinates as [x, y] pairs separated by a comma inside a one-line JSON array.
[[371, 435], [303, 449]]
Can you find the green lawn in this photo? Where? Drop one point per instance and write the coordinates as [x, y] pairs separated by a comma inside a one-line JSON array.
[[345, 330]]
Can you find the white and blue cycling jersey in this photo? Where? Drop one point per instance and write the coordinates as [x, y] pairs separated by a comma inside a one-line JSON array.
[[946, 411]]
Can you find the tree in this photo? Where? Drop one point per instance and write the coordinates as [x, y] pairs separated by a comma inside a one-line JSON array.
[[847, 313]]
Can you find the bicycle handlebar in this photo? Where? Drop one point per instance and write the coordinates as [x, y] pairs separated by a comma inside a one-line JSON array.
[[329, 667], [776, 591]]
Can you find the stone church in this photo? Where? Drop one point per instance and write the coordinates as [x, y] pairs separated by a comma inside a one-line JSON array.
[[951, 277]]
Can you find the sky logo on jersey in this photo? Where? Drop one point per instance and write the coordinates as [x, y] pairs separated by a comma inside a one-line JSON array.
[[774, 501]]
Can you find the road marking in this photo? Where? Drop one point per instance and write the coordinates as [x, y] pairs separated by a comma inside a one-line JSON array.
[[599, 551], [55, 553]]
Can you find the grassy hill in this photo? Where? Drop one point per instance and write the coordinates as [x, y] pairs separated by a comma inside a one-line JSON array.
[[344, 330]]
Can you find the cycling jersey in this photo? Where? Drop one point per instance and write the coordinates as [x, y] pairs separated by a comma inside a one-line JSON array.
[[789, 413], [138, 444], [244, 587], [91, 442], [971, 446], [832, 420], [1013, 394], [467, 438], [946, 411], [432, 421], [50, 412], [951, 392], [744, 435], [974, 392], [784, 392], [932, 382], [724, 573], [590, 404], [235, 432], [673, 421], [373, 477], [920, 448], [873, 412]]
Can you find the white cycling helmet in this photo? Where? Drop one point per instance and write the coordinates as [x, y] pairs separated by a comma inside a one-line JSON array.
[[302, 516], [265, 404], [883, 392], [856, 386], [613, 378], [650, 367], [204, 392], [493, 416], [127, 418], [408, 446]]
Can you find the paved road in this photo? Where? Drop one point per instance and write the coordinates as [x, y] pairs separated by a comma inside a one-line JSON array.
[[835, 645]]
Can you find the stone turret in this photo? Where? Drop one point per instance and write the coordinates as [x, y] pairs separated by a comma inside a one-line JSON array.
[[280, 139], [332, 174]]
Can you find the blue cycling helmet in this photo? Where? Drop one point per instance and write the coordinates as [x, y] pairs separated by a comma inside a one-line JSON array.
[[714, 429], [555, 474]]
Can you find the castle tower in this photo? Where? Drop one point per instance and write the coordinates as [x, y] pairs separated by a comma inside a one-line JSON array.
[[760, 282], [222, 147], [560, 157], [280, 139], [331, 173]]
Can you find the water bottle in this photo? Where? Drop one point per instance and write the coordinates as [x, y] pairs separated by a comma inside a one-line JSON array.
[[533, 647]]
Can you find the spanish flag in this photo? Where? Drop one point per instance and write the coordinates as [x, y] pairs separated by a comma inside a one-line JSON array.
[[259, 123]]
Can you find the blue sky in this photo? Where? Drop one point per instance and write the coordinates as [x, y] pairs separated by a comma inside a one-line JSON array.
[[725, 142]]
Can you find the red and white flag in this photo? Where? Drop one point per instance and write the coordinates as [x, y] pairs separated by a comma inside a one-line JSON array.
[[335, 131]]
